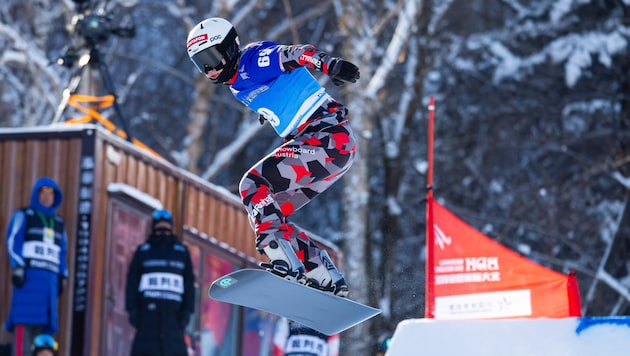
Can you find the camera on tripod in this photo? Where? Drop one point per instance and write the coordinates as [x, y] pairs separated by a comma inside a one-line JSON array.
[[94, 27]]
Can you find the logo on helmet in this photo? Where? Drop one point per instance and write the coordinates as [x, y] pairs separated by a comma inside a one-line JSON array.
[[196, 39], [215, 38]]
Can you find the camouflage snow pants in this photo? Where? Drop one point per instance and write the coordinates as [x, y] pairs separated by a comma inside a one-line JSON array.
[[295, 173]]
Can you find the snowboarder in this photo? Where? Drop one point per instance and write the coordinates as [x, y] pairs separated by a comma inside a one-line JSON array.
[[272, 80]]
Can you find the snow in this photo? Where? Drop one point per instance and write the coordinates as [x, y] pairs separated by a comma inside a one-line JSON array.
[[393, 207], [613, 283], [395, 47], [525, 249], [562, 7], [421, 166], [496, 186], [575, 51], [515, 337], [439, 9], [623, 180], [611, 216], [135, 193]]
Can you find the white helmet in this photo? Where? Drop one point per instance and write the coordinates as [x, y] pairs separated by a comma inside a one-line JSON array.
[[209, 43]]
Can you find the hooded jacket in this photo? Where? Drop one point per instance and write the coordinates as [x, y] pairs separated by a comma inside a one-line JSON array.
[[36, 241]]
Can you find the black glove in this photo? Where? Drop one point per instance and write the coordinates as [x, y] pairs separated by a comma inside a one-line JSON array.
[[341, 71], [18, 276], [61, 284]]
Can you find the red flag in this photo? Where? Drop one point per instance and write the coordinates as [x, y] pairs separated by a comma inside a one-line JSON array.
[[477, 278]]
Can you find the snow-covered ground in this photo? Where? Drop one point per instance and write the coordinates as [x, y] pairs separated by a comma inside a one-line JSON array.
[[597, 336]]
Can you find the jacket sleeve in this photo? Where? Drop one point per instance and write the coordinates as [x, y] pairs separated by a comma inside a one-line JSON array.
[[188, 305], [305, 55], [131, 288], [63, 264], [15, 239]]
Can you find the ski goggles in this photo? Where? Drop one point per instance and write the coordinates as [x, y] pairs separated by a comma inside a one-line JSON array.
[[163, 231], [208, 59], [162, 215], [45, 341]]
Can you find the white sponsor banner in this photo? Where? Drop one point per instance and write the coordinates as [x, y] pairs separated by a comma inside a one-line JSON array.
[[506, 304], [41, 250], [162, 281]]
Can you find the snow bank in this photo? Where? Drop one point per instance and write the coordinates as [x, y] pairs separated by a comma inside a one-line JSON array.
[[533, 337]]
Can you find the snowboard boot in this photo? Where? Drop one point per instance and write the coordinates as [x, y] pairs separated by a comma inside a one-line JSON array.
[[283, 261], [326, 277]]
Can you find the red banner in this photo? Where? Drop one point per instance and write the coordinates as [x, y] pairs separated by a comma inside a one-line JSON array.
[[471, 276]]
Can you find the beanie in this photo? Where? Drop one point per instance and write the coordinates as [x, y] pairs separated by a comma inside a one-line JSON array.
[[161, 215]]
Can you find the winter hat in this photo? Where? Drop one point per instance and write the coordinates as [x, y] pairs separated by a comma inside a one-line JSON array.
[[44, 342], [162, 215], [50, 183]]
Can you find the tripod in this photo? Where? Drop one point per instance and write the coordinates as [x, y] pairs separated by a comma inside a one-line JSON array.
[[92, 58]]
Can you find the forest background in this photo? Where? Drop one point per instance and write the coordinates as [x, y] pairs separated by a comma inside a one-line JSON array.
[[532, 122]]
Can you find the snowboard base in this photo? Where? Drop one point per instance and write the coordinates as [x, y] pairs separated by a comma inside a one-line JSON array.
[[262, 290]]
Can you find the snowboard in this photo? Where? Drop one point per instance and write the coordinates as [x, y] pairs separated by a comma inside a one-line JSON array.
[[263, 290]]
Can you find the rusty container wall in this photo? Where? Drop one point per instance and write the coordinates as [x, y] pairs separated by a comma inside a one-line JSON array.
[[196, 204], [23, 159], [215, 215]]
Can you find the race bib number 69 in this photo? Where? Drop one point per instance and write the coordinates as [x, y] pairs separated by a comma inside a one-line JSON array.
[[263, 58]]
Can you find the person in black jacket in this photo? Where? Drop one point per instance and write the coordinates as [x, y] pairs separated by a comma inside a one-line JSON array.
[[294, 339], [160, 291]]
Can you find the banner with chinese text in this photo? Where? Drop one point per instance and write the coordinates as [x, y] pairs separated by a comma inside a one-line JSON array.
[[474, 277]]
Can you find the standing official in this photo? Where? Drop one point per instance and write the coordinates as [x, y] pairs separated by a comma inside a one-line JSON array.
[[36, 245], [160, 291]]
